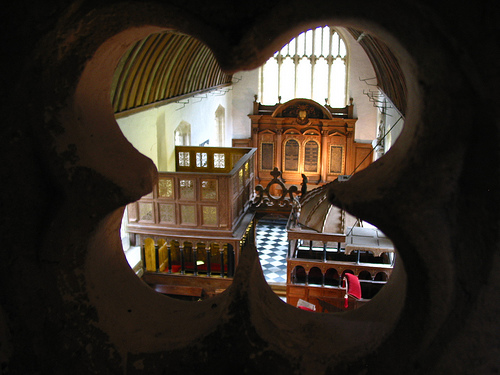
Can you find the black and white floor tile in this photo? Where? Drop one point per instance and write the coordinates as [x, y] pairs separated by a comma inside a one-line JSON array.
[[272, 246]]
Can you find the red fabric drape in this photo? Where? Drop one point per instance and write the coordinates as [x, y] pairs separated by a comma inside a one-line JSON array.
[[353, 287]]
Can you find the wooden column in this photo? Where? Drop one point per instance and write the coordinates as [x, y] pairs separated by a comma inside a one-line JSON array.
[[278, 148], [255, 144]]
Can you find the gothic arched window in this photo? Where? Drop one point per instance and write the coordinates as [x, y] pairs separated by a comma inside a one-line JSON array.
[[182, 134], [220, 115], [313, 66]]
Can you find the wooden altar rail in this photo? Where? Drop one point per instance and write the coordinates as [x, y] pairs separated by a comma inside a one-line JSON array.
[[185, 257]]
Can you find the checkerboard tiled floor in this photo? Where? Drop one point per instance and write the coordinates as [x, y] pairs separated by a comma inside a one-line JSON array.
[[272, 246]]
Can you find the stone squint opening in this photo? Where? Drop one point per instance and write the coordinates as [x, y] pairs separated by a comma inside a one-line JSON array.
[[175, 237]]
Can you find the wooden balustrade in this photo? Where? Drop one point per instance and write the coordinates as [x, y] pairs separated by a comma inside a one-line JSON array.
[[331, 272]]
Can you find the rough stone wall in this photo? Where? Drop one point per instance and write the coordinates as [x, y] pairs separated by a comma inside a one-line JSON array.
[[70, 304]]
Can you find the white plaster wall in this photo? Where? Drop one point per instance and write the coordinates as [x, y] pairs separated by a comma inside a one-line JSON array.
[[244, 91], [393, 125], [360, 68], [140, 130], [151, 131], [200, 113]]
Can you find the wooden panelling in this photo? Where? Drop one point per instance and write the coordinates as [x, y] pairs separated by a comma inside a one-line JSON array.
[[320, 145]]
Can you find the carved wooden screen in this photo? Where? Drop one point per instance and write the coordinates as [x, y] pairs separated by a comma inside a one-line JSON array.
[[166, 194], [303, 137]]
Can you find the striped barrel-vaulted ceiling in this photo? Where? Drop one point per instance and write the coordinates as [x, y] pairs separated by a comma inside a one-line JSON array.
[[164, 66]]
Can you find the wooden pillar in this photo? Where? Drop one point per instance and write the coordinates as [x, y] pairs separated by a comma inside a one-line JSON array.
[[181, 251], [350, 155], [195, 260], [221, 252], [208, 250], [278, 149], [169, 256], [255, 144]]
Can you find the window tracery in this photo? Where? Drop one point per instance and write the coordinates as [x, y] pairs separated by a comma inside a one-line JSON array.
[[313, 66]]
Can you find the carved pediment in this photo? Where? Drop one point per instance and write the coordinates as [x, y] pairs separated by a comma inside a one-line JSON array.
[[302, 110]]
